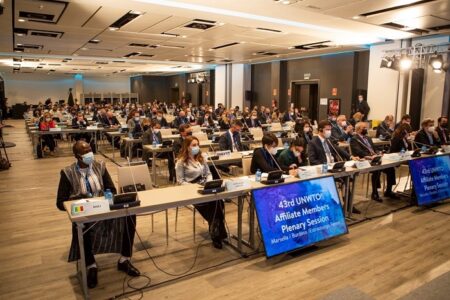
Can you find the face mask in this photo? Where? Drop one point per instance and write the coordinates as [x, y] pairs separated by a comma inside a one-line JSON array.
[[48, 119], [305, 129], [444, 125], [159, 118], [155, 130], [344, 123], [195, 150], [296, 153], [136, 119], [431, 129], [273, 151], [88, 158], [327, 133], [364, 131], [206, 117]]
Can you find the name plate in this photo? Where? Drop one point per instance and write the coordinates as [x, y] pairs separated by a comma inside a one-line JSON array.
[[91, 128], [88, 206], [363, 164], [237, 184], [305, 173], [224, 153], [54, 129]]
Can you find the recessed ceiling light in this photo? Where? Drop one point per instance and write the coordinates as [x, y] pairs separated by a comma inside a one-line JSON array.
[[221, 24], [184, 36], [286, 2], [84, 48], [356, 17], [21, 20], [19, 44], [19, 34], [113, 28], [136, 12]]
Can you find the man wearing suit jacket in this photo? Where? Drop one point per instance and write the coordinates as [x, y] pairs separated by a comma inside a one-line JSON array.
[[253, 121], [321, 150], [180, 120], [289, 116], [151, 135], [362, 146], [442, 130], [231, 140], [363, 107], [159, 118], [342, 131], [427, 136], [184, 130]]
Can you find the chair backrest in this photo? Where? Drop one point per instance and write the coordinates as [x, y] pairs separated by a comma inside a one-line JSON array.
[[196, 128], [276, 126], [169, 118], [139, 173], [201, 136], [372, 133], [166, 131], [246, 163], [256, 132]]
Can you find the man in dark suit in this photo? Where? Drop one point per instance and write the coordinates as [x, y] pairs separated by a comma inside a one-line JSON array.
[[152, 135], [321, 150], [253, 121], [442, 130], [362, 146], [180, 120], [363, 107], [159, 118], [112, 122], [342, 131], [289, 116], [185, 130], [231, 140], [205, 120], [427, 136]]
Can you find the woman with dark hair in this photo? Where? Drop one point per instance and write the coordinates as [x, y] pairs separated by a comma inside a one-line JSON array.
[[191, 167], [400, 139], [263, 158], [304, 131]]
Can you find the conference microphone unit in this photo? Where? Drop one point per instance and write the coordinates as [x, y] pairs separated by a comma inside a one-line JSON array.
[[274, 177]]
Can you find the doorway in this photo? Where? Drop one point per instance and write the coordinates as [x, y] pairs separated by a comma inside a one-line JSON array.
[[305, 95], [174, 96]]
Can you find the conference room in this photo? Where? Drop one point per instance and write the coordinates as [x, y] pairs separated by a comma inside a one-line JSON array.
[[194, 149]]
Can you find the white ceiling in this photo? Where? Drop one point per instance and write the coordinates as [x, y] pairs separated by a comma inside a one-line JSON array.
[[172, 46]]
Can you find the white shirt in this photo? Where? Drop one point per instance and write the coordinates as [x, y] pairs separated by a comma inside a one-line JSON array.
[[326, 148]]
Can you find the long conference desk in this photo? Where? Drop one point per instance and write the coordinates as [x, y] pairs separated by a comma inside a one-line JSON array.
[[182, 195]]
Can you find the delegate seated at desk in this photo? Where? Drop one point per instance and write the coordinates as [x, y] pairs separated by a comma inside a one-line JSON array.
[[321, 150], [191, 167], [185, 130], [81, 123], [427, 136], [401, 139], [151, 135], [291, 158], [44, 125], [231, 139], [253, 121], [363, 147], [263, 158], [134, 125], [87, 178]]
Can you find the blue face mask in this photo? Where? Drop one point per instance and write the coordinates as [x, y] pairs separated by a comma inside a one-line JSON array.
[[195, 150], [88, 158]]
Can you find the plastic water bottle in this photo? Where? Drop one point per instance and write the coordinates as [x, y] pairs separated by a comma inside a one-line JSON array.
[[402, 153], [324, 168], [258, 175], [381, 137], [154, 144], [286, 145], [108, 196], [424, 148]]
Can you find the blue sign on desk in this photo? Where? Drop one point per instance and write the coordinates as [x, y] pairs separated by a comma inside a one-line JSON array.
[[431, 178], [296, 215]]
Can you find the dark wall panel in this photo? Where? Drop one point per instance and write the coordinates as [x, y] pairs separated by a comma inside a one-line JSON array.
[[261, 84]]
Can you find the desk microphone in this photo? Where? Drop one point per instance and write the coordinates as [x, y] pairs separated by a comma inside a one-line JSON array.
[[214, 165], [422, 144], [335, 151], [275, 161]]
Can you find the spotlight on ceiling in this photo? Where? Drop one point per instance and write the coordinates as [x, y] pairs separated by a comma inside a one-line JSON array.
[[436, 62], [405, 62], [386, 62]]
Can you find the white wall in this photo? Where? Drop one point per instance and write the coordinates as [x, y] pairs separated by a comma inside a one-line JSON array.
[[35, 88], [433, 90], [382, 83], [237, 86], [220, 84]]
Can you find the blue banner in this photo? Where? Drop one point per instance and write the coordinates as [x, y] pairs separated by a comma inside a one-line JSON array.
[[299, 214], [431, 178]]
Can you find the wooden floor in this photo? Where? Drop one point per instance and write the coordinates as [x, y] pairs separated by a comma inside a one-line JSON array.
[[385, 258]]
